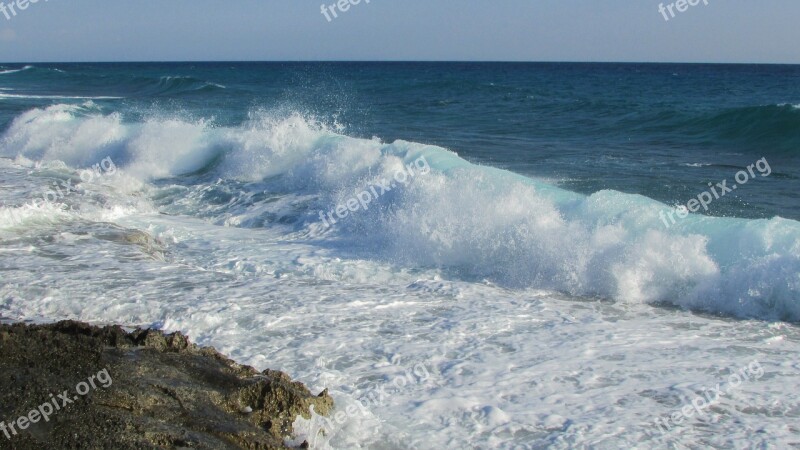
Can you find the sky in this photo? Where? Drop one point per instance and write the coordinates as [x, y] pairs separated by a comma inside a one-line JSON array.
[[744, 31]]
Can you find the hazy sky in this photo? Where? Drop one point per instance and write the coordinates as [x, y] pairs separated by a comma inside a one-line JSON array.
[[506, 30]]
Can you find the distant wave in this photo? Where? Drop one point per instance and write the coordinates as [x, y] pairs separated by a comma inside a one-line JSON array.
[[121, 85], [775, 126], [770, 128], [4, 72], [474, 222], [170, 85], [55, 97]]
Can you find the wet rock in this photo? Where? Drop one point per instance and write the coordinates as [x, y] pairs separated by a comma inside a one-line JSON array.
[[158, 391]]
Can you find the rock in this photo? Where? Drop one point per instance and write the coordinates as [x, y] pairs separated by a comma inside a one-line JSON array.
[[146, 389]]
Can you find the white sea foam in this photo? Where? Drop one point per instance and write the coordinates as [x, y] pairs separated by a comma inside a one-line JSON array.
[[477, 222], [507, 367]]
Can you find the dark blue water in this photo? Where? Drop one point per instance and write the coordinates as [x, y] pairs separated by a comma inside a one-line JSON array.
[[661, 130]]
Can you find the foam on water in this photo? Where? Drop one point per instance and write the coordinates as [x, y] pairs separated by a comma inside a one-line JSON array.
[[476, 223], [507, 369]]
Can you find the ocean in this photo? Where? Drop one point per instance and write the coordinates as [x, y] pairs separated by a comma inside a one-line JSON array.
[[467, 255]]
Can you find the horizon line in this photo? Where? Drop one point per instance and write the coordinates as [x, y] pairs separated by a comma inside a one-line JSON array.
[[453, 61]]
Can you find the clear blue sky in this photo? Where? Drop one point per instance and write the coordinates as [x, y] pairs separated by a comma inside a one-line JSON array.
[[508, 30]]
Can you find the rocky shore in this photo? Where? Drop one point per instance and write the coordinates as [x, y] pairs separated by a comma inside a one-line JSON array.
[[72, 385]]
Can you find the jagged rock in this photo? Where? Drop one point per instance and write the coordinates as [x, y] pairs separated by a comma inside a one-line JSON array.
[[163, 392]]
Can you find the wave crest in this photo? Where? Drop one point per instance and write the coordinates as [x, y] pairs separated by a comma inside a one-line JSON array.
[[475, 223]]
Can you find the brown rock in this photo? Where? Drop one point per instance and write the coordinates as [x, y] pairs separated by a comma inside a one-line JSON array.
[[164, 392]]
